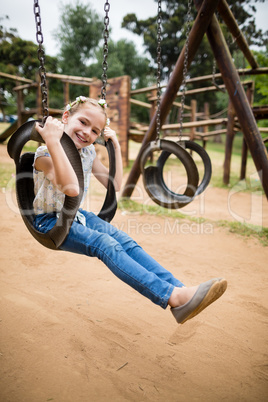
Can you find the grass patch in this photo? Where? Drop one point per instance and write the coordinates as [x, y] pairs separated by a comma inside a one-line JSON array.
[[3, 127], [6, 172], [248, 231], [216, 152], [141, 209]]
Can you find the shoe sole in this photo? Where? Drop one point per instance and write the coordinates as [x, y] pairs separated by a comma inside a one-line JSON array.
[[215, 291]]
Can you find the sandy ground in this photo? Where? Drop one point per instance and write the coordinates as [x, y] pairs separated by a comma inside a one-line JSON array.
[[71, 331]]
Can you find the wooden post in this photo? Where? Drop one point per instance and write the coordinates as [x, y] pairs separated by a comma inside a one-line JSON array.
[[231, 23], [230, 133], [250, 96], [206, 116], [153, 94], [193, 118], [66, 93], [195, 38], [38, 97], [239, 99], [20, 105], [118, 99]]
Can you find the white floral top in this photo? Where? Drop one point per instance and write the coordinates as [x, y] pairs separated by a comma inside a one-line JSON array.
[[47, 196]]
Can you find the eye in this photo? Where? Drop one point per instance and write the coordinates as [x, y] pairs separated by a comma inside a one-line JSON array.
[[83, 122]]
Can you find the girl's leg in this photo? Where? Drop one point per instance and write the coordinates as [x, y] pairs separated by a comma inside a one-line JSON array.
[[187, 302], [135, 251], [90, 242]]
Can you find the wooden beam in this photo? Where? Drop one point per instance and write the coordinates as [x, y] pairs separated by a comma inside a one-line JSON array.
[[204, 89], [244, 156], [230, 133], [194, 124], [140, 103], [197, 32], [231, 23], [15, 77], [241, 71], [73, 82], [69, 77], [263, 129], [189, 124], [25, 86], [239, 100]]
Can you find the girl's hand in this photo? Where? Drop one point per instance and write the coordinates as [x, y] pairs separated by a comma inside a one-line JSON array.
[[52, 130], [108, 133]]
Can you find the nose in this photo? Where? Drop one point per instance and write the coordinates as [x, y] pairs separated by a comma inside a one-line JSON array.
[[89, 134]]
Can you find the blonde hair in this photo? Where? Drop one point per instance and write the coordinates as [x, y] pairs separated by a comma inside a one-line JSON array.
[[74, 106]]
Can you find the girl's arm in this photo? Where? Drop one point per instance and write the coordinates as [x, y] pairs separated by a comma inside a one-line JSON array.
[[58, 168], [100, 171]]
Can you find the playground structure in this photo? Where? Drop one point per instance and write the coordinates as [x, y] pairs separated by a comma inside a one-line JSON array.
[[241, 115], [120, 99]]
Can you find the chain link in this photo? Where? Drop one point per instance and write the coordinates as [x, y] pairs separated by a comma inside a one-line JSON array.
[[185, 66], [41, 58], [105, 49], [158, 50]]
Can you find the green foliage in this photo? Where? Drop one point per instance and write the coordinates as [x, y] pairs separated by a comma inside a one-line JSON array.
[[18, 57], [174, 22], [123, 59], [261, 81], [78, 35]]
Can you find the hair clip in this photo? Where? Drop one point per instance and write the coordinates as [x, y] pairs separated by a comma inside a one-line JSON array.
[[102, 103], [81, 99]]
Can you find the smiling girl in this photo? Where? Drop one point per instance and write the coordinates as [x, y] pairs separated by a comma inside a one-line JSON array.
[[84, 120]]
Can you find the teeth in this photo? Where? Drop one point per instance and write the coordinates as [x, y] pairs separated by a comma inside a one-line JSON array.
[[80, 138]]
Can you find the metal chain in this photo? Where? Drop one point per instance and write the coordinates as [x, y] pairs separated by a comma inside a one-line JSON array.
[[159, 23], [185, 66], [41, 58], [105, 49]]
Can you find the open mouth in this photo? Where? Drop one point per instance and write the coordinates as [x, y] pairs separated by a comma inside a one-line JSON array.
[[81, 138]]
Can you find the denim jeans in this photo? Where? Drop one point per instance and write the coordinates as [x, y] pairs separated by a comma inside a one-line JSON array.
[[119, 252]]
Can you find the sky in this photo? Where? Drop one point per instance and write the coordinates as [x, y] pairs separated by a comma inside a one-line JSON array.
[[21, 16]]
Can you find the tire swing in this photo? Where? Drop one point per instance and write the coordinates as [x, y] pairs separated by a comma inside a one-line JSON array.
[[24, 168], [25, 185], [153, 175], [192, 146]]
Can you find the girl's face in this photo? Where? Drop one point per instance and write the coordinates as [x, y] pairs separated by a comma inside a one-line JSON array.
[[84, 126]]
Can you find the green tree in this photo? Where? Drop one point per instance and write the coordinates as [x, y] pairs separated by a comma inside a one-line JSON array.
[[78, 35], [174, 28], [18, 57], [123, 59], [261, 81]]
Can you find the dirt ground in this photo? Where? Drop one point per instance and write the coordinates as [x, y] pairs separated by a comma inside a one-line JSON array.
[[72, 332]]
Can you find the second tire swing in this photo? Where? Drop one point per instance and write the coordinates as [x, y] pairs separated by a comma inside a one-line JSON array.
[[153, 177]]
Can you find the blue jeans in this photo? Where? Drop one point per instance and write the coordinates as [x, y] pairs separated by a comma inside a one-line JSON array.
[[122, 255]]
